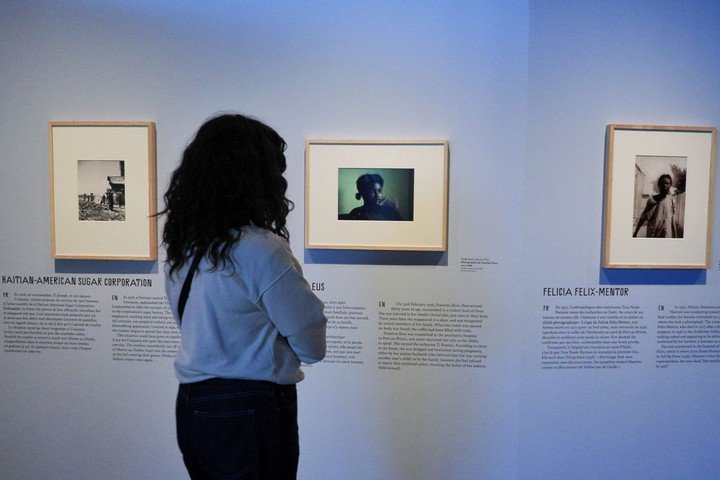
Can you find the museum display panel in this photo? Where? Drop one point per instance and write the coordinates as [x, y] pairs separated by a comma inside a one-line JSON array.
[[659, 196], [399, 188], [103, 190]]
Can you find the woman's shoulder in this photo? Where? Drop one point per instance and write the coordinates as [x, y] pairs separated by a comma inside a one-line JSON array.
[[259, 259], [261, 245]]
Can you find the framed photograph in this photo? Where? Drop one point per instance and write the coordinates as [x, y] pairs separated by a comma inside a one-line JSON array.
[[102, 183], [658, 198], [376, 194]]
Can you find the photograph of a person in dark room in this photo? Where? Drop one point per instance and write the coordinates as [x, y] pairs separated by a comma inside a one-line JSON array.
[[377, 204]]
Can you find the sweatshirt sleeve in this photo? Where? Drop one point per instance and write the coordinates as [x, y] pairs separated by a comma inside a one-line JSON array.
[[297, 314]]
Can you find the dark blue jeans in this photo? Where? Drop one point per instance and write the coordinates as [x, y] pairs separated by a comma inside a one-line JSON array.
[[238, 429]]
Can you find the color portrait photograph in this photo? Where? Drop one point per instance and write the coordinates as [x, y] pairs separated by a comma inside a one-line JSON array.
[[375, 194]]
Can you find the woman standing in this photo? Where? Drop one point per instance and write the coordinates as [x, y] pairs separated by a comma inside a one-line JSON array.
[[250, 317]]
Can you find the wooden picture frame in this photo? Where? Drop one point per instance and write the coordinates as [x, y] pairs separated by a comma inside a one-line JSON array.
[[658, 196], [409, 214], [103, 190]]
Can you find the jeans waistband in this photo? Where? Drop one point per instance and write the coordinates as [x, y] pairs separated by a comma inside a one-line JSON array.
[[235, 385]]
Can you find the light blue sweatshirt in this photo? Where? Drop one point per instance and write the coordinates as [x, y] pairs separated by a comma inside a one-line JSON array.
[[256, 319]]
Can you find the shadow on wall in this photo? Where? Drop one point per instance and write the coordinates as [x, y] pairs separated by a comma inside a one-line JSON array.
[[119, 267], [375, 257], [642, 276]]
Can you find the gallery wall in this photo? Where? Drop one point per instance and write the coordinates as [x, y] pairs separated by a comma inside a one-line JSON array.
[[594, 64], [522, 91]]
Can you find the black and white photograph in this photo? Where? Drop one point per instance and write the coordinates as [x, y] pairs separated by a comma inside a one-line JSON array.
[[658, 196], [101, 190], [659, 208], [375, 194]]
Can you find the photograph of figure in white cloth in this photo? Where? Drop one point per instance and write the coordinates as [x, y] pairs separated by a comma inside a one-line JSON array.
[[659, 210]]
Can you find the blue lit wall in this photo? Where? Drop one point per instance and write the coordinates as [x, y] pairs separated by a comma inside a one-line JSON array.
[[593, 64], [523, 91]]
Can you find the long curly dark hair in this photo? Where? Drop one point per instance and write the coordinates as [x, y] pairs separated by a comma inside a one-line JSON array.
[[230, 176]]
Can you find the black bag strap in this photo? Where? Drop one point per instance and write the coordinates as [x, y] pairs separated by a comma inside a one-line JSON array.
[[186, 286]]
